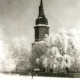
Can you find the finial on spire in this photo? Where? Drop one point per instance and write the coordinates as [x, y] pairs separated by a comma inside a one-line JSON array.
[[41, 10]]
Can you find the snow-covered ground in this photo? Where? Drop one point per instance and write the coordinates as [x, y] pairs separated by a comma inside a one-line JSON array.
[[17, 77]]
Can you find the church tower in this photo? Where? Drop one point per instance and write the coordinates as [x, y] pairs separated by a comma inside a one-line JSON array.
[[41, 24]]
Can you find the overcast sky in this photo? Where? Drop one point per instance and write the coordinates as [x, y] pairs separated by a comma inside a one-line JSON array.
[[17, 17]]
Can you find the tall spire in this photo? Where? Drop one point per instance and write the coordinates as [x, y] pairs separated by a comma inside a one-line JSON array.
[[41, 24], [41, 17], [41, 10]]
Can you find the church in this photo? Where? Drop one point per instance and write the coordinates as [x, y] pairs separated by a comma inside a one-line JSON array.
[[41, 29], [41, 25]]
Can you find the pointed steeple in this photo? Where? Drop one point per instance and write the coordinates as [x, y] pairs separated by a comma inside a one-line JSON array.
[[41, 24], [41, 17], [41, 10]]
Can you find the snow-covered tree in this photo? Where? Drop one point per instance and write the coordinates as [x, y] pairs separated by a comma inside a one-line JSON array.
[[20, 53], [59, 51], [6, 63], [38, 49]]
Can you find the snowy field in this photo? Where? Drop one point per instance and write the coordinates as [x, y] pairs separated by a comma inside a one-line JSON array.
[[17, 77]]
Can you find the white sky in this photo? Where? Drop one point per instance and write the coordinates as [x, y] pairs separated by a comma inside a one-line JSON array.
[[17, 17]]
